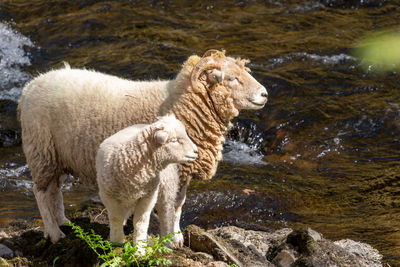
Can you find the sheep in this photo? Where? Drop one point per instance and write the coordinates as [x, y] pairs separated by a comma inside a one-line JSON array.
[[128, 164], [65, 114]]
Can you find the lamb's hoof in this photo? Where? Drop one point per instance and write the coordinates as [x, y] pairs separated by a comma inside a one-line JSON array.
[[141, 251], [178, 240], [54, 235]]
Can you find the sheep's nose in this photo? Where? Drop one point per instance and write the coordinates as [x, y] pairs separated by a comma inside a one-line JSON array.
[[265, 95], [196, 151]]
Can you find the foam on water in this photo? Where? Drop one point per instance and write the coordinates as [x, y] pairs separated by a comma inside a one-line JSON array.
[[14, 177], [318, 59], [12, 60], [12, 170], [244, 145], [241, 153]]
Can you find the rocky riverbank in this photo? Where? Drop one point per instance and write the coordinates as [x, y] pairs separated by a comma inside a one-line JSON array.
[[22, 244]]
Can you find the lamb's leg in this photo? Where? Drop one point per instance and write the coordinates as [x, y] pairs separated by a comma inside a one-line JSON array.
[[169, 182], [141, 219], [116, 215], [51, 208]]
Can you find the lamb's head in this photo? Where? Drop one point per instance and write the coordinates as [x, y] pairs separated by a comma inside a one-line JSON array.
[[175, 146], [214, 68]]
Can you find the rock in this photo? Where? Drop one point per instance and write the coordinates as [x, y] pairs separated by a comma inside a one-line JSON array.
[[5, 252], [314, 234], [284, 258], [18, 253], [7, 242], [367, 254], [201, 241], [258, 242], [3, 234], [202, 255], [308, 248], [217, 264], [213, 248]]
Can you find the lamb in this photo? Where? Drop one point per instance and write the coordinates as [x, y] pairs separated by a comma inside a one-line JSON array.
[[65, 114], [128, 165]]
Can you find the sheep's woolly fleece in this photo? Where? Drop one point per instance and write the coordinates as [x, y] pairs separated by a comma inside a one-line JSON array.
[[206, 115]]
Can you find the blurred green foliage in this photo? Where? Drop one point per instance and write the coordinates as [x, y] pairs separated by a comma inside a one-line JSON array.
[[380, 52]]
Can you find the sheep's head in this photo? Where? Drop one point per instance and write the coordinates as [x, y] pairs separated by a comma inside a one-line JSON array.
[[214, 70], [175, 146]]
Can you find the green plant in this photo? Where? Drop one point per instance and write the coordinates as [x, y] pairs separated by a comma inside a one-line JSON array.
[[158, 247], [55, 260], [108, 252]]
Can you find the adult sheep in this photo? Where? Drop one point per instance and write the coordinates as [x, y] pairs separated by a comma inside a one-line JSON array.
[[128, 165], [65, 114]]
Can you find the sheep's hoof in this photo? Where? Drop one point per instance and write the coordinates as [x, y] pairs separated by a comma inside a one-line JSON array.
[[54, 235], [63, 220]]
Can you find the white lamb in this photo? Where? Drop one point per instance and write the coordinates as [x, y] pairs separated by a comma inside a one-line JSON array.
[[128, 165], [65, 114]]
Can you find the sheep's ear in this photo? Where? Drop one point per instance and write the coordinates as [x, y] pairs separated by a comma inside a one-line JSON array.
[[161, 137], [210, 52], [214, 52], [217, 76]]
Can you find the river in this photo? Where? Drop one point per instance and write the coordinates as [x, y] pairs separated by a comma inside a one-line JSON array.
[[325, 151]]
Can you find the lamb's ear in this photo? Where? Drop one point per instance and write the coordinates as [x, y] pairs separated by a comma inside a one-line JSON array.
[[161, 137]]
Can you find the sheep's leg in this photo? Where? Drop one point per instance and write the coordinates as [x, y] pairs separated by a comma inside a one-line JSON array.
[[59, 202], [51, 208], [169, 183], [116, 215], [41, 157], [141, 219], [180, 200]]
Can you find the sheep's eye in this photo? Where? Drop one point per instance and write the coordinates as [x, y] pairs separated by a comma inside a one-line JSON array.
[[231, 79], [174, 140]]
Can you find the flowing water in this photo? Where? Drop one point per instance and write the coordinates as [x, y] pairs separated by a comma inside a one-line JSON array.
[[324, 152]]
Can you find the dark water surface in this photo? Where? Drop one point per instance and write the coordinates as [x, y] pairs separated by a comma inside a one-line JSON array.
[[323, 153]]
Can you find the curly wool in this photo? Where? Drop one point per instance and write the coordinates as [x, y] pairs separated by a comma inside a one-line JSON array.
[[206, 115], [129, 165]]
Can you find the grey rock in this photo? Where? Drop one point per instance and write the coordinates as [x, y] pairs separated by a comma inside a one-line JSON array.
[[7, 242], [284, 258], [367, 254], [217, 264], [202, 255], [309, 248], [314, 234], [5, 252], [259, 241], [18, 253], [200, 241]]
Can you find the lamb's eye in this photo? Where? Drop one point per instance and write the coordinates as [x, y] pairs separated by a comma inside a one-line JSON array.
[[175, 140], [232, 79]]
